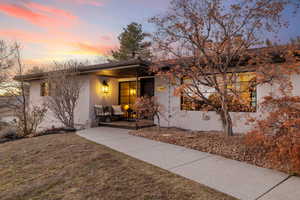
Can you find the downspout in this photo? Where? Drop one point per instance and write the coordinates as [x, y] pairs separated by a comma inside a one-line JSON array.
[[169, 103]]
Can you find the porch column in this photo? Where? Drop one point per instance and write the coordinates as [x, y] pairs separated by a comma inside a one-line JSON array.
[[137, 83]]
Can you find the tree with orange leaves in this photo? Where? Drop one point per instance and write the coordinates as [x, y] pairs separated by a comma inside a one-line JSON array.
[[210, 42], [148, 107], [278, 134]]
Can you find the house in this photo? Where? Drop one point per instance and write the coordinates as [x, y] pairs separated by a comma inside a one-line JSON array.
[[107, 84], [120, 83]]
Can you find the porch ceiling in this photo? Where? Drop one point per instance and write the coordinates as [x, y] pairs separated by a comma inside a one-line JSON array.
[[124, 71]]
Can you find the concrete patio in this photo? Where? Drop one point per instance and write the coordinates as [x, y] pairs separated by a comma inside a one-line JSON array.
[[238, 179]]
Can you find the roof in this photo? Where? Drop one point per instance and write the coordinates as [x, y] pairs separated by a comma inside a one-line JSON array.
[[120, 66], [130, 68]]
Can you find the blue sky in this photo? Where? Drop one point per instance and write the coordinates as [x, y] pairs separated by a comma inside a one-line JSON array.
[[81, 29]]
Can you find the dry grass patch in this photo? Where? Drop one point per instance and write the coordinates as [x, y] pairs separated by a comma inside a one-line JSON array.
[[66, 166]]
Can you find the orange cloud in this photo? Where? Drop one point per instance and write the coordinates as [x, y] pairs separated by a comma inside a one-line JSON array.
[[56, 40], [66, 46], [84, 48], [49, 38], [38, 14]]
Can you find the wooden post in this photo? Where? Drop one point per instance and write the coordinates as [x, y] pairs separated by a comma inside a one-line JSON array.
[[137, 82]]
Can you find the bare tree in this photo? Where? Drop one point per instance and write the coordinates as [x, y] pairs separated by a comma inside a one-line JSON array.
[[210, 42], [28, 118], [65, 87], [7, 58]]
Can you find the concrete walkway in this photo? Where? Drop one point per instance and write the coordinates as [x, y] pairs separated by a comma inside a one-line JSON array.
[[237, 179]]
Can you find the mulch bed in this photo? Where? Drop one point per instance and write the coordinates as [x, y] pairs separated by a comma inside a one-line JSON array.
[[214, 142]]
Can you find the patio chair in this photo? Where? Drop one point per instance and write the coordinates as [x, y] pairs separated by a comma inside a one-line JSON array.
[[102, 113]]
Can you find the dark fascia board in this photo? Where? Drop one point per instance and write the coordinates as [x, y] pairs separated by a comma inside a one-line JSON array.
[[89, 69]]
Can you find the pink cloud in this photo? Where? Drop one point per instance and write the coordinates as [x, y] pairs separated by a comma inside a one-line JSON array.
[[51, 10], [106, 37], [87, 2], [38, 14]]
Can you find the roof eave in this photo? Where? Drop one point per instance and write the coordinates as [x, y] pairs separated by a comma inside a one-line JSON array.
[[88, 69]]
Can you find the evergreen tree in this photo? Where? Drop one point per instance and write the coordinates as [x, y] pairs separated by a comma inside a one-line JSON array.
[[132, 43]]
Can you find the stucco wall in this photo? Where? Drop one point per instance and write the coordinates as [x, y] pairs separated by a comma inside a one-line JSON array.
[[91, 94], [173, 116], [98, 97], [81, 110]]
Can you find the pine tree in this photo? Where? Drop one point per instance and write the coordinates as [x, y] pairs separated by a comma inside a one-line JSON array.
[[132, 43]]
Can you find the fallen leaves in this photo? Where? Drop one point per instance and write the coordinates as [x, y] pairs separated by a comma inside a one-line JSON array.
[[214, 142]]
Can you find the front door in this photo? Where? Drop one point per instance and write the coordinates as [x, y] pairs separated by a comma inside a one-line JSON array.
[[147, 87]]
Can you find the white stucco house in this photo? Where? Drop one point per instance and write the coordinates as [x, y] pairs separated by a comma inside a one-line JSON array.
[[124, 81]]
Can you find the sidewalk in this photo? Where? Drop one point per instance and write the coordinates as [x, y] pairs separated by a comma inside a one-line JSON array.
[[238, 179]]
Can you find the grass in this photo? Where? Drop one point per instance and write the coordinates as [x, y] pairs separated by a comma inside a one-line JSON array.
[[66, 166]]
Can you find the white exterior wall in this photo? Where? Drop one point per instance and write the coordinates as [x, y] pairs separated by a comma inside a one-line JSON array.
[[81, 110], [173, 116], [98, 97], [91, 94]]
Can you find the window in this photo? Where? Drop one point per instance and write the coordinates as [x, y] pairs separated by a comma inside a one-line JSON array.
[[45, 89], [128, 93], [245, 85]]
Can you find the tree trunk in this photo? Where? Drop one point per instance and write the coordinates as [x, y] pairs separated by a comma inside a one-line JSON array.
[[158, 121], [226, 120], [71, 122]]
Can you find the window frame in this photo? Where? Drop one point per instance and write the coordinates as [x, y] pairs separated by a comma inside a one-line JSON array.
[[130, 97], [45, 89], [253, 99]]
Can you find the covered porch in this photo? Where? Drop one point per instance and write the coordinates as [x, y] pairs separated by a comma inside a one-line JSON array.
[[115, 88]]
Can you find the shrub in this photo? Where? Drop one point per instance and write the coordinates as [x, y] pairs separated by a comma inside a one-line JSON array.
[[28, 122], [279, 132], [148, 107]]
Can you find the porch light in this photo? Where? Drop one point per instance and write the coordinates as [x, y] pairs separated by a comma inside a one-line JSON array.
[[126, 107], [132, 91], [105, 87]]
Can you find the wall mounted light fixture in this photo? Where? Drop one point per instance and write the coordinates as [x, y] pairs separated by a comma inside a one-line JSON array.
[[105, 87]]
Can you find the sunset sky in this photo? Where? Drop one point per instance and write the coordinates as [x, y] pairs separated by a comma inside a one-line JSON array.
[[81, 29]]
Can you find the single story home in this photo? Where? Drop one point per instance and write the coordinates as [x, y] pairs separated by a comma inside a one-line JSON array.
[[120, 83]]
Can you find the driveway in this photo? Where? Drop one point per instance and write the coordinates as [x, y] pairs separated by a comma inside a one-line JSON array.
[[238, 179]]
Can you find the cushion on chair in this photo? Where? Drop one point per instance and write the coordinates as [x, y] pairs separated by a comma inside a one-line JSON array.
[[117, 110], [100, 110]]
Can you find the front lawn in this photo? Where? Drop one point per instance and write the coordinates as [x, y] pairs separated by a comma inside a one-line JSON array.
[[65, 166]]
